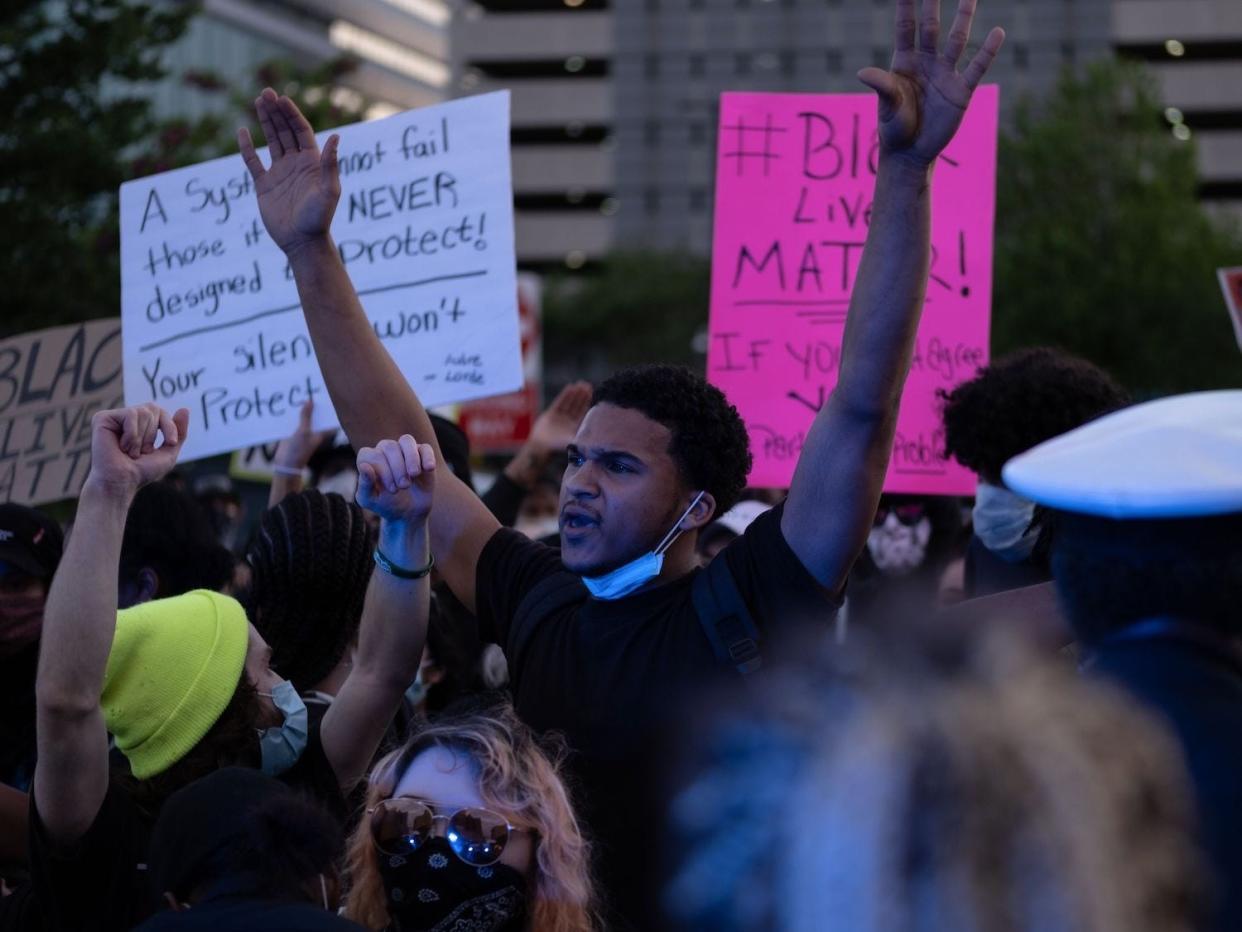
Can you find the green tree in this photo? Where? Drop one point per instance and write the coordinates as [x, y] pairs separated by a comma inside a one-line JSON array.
[[640, 307], [1102, 248], [67, 145], [74, 86]]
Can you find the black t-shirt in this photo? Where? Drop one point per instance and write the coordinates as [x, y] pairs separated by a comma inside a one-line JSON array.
[[102, 881], [610, 675], [249, 916]]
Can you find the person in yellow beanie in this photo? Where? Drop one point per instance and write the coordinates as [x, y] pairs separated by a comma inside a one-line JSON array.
[[185, 685]]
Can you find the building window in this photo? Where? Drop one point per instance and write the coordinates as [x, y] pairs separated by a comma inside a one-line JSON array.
[[698, 200], [789, 63], [651, 134], [651, 65], [651, 201], [832, 61], [697, 133], [1068, 53], [741, 63], [695, 64], [1021, 56]]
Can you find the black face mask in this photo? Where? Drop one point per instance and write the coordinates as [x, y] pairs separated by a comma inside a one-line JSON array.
[[431, 889]]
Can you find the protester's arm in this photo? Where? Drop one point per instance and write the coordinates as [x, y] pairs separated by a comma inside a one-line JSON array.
[[922, 100], [71, 776], [292, 455], [396, 481], [297, 198]]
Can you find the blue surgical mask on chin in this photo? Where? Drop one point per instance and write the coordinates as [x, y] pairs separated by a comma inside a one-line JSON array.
[[640, 571], [281, 746], [1002, 522]]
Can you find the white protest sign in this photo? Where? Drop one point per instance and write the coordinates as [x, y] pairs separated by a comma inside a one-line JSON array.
[[51, 383], [211, 317]]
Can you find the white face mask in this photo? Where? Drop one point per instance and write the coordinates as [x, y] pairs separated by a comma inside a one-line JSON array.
[[638, 572], [1002, 522]]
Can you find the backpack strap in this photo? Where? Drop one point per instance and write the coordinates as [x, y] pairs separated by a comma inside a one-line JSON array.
[[726, 620]]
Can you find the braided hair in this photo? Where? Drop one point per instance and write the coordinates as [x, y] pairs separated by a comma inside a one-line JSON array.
[[311, 562]]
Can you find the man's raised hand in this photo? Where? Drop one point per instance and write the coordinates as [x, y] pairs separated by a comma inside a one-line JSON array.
[[298, 193], [396, 479], [923, 96], [124, 451]]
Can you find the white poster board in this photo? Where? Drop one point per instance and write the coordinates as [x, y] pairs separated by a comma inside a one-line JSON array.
[[211, 317], [51, 384]]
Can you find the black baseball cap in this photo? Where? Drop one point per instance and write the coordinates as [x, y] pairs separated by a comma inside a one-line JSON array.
[[30, 540]]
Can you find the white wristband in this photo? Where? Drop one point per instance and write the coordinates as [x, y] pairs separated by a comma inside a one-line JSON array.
[[286, 471]]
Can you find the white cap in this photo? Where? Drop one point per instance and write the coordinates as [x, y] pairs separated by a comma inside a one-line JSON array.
[[1178, 457], [738, 518]]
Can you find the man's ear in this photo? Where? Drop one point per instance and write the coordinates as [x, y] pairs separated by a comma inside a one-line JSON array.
[[148, 585], [701, 514]]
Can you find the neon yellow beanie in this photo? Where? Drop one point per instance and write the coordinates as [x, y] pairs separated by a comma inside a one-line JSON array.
[[174, 667]]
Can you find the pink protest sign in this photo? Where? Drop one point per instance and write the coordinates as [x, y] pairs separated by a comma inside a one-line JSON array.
[[795, 174]]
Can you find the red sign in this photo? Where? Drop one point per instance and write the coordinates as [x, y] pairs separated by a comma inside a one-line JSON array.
[[1231, 285], [502, 423]]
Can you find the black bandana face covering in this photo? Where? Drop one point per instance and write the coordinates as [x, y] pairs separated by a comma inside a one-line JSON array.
[[432, 890]]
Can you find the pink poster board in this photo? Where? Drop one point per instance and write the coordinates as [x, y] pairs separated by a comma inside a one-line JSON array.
[[795, 176]]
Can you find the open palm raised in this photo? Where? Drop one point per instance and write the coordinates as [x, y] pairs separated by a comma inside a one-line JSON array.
[[298, 193], [923, 96]]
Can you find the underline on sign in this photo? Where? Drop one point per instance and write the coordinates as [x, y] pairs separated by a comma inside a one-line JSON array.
[[781, 302], [919, 472], [293, 307]]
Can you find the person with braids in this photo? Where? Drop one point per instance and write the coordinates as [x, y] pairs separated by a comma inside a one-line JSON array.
[[469, 826], [1017, 403], [605, 636], [184, 685], [310, 563]]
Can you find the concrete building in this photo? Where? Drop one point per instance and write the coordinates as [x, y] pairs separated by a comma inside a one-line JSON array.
[[555, 56], [401, 47], [1194, 47], [675, 57]]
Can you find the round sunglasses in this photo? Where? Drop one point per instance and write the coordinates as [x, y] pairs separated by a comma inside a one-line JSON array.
[[403, 824]]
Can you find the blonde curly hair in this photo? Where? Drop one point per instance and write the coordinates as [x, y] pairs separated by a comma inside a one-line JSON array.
[[518, 777]]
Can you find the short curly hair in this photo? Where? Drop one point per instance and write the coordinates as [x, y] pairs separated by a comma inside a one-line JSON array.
[[1020, 401], [709, 444]]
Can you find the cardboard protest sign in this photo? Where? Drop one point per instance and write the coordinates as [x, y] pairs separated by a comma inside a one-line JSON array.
[[795, 176], [51, 383], [211, 316], [1231, 285]]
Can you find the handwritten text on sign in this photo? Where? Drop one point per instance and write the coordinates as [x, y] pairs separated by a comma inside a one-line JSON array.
[[51, 383], [211, 315], [795, 178]]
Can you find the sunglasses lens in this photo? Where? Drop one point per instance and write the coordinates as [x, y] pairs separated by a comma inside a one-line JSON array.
[[399, 826], [477, 836]]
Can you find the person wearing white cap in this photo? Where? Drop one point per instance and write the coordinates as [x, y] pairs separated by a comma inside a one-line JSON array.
[[1147, 557]]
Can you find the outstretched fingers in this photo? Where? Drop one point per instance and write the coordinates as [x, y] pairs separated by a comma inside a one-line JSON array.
[[303, 135], [983, 59], [906, 27], [327, 160], [263, 109], [284, 130], [929, 27], [959, 32], [249, 155]]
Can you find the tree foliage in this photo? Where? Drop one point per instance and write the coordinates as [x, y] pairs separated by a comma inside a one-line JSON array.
[[640, 307], [74, 86], [1102, 247]]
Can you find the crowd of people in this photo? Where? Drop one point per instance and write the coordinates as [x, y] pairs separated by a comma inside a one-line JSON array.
[[650, 697]]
